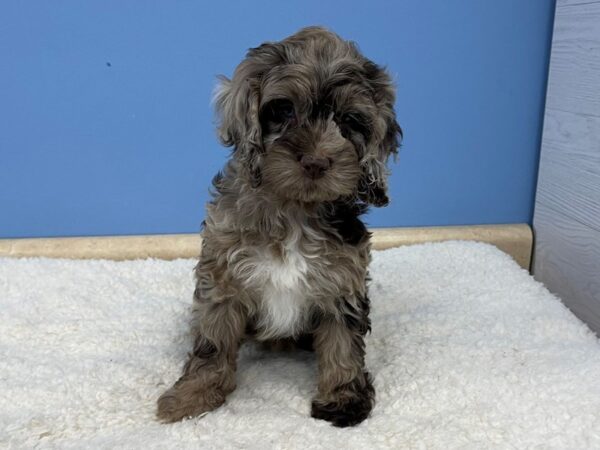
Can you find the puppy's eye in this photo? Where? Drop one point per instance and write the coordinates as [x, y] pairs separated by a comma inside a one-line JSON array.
[[356, 122], [279, 111]]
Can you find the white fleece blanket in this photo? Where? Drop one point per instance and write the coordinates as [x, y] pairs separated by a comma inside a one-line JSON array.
[[467, 351]]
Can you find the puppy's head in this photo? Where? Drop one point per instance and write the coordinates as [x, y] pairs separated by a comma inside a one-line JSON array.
[[311, 119]]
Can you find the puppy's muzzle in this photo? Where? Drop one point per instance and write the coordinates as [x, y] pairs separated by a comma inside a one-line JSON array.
[[315, 166]]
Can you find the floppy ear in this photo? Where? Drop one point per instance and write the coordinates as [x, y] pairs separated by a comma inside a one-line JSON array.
[[386, 138], [237, 102]]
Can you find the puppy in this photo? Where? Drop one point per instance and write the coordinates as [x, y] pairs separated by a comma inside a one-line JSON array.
[[284, 253]]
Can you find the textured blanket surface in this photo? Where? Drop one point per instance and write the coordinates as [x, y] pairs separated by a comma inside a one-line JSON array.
[[467, 351]]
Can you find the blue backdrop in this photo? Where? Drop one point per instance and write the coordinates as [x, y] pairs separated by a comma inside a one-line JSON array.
[[106, 125]]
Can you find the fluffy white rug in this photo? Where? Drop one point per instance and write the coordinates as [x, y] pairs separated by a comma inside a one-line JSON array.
[[467, 350]]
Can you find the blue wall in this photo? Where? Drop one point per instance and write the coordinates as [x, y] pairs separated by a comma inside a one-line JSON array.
[[106, 126]]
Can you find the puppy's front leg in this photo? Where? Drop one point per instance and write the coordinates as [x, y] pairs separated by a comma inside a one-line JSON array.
[[209, 374], [345, 393]]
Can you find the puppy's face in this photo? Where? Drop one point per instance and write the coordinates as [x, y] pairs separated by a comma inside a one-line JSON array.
[[311, 119], [311, 151]]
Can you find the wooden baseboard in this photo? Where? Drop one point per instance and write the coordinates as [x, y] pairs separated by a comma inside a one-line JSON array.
[[516, 240]]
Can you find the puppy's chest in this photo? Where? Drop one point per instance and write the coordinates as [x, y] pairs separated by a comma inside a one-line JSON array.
[[281, 275]]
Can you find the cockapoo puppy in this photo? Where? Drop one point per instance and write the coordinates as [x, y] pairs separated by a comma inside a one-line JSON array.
[[284, 253]]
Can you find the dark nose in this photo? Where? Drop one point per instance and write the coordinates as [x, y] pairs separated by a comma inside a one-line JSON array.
[[314, 166]]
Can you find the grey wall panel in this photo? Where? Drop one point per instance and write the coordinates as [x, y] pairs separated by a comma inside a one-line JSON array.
[[567, 260], [567, 213]]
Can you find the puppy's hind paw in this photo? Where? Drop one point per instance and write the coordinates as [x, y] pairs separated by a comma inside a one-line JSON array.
[[177, 404]]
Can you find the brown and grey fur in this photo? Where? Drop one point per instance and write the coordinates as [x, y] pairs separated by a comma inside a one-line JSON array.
[[284, 254]]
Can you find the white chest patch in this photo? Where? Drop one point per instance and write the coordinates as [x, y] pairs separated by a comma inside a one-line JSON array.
[[282, 280]]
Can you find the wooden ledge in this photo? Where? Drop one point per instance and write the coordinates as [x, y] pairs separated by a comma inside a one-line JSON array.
[[515, 239]]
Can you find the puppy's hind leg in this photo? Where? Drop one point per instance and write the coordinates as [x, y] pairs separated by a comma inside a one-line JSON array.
[[209, 374]]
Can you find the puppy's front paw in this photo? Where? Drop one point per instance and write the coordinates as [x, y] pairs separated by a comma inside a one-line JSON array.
[[187, 399], [346, 408]]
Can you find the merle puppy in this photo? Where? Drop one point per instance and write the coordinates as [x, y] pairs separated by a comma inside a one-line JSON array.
[[284, 253]]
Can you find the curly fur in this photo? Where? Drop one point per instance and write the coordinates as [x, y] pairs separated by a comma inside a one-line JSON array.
[[285, 254]]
